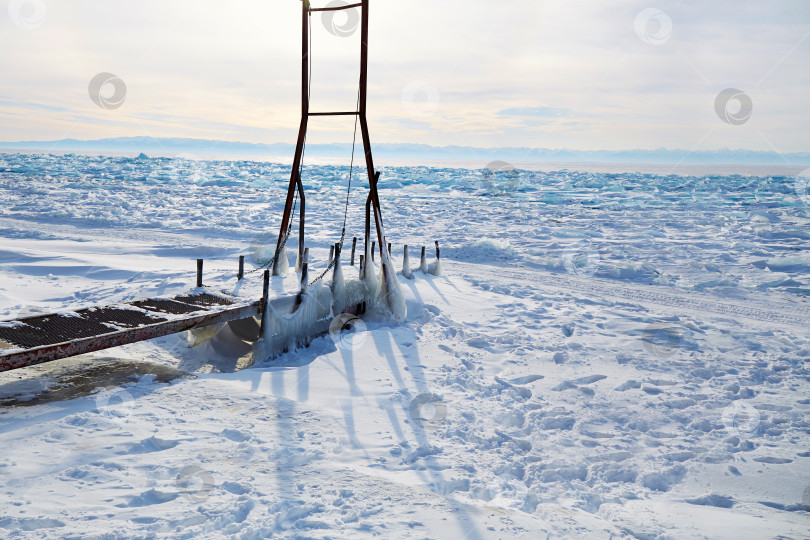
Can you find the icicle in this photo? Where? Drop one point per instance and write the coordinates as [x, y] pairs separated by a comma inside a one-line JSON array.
[[406, 265], [370, 277], [282, 265], [286, 331], [390, 293], [301, 259]]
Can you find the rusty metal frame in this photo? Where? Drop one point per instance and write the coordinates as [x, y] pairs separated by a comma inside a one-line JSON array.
[[373, 176], [57, 351]]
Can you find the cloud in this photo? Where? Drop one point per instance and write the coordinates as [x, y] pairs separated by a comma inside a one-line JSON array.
[[542, 112], [193, 67]]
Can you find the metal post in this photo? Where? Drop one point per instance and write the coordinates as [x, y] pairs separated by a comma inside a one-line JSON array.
[[362, 269], [295, 179], [354, 246], [199, 272], [336, 268], [304, 277], [389, 248], [265, 299], [302, 130], [241, 273], [437, 249], [331, 254], [368, 225], [302, 203], [373, 247]]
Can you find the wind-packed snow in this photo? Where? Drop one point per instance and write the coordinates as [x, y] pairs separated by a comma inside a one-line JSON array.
[[603, 355]]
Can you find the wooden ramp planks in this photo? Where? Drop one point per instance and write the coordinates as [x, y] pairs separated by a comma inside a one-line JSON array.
[[44, 338]]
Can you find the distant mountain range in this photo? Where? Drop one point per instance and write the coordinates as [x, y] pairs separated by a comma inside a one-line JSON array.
[[414, 151]]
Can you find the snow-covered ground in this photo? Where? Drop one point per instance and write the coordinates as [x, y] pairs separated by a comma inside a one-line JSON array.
[[606, 355]]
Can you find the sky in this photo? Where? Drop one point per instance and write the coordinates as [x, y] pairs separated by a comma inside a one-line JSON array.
[[575, 74]]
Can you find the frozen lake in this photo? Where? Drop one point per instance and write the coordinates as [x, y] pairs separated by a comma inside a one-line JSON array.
[[607, 353]]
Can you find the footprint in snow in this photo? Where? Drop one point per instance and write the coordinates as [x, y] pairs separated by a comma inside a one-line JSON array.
[[629, 385], [662, 382], [773, 460], [589, 379], [149, 498], [235, 435], [718, 501], [571, 385], [526, 380], [565, 385], [152, 444]]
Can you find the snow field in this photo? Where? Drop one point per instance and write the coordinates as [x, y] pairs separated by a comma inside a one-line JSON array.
[[632, 366]]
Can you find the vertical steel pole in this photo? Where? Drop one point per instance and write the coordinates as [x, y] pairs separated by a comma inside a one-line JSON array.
[[372, 177], [301, 215], [302, 130]]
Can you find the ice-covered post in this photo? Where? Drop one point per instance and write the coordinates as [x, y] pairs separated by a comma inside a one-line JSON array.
[[423, 262], [406, 264], [265, 299], [354, 246], [304, 277], [199, 272], [373, 247], [389, 249], [241, 273], [331, 254], [338, 296], [362, 274], [435, 267], [301, 258], [306, 256]]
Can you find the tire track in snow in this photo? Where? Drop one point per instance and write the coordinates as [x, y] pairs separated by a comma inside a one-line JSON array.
[[775, 313]]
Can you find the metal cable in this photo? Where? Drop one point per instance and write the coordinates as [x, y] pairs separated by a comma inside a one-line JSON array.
[[348, 192]]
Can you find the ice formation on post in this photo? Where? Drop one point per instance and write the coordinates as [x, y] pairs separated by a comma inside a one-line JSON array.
[[389, 289], [435, 267], [309, 318], [406, 265], [338, 287], [423, 266], [370, 278], [282, 265], [291, 322]]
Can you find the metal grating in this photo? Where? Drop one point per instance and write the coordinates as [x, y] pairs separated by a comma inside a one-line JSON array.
[[204, 299], [45, 338], [44, 330], [162, 305], [121, 318], [51, 329]]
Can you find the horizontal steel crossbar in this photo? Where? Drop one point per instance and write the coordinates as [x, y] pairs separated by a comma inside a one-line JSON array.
[[336, 8]]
